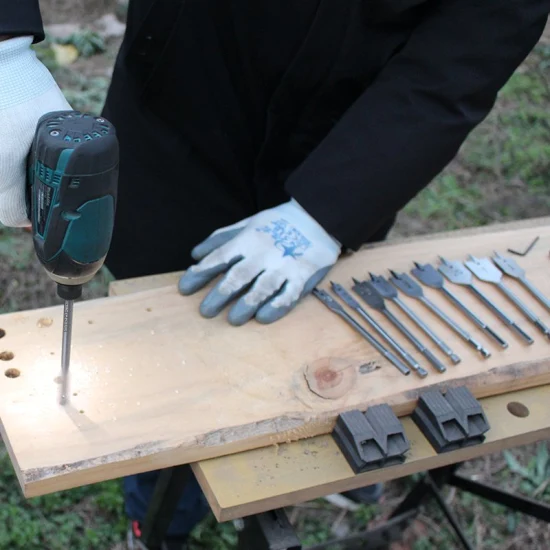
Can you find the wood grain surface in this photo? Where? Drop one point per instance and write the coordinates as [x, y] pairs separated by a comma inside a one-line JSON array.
[[153, 384]]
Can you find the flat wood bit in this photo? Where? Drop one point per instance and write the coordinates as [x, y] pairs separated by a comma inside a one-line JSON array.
[[488, 272]]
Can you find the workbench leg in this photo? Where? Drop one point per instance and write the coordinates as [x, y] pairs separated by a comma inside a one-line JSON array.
[[168, 491], [268, 531], [430, 485], [522, 504], [413, 499]]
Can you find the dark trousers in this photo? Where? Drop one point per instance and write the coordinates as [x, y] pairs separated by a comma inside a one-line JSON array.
[[191, 509]]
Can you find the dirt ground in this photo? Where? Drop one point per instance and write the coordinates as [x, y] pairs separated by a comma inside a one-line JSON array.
[[76, 11]]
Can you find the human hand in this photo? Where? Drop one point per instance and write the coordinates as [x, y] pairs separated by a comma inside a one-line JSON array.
[[27, 91], [273, 259]]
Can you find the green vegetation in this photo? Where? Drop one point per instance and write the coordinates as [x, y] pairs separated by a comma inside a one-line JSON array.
[[502, 173]]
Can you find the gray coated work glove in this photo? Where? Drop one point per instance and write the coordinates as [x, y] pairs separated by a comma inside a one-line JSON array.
[[282, 253], [27, 91]]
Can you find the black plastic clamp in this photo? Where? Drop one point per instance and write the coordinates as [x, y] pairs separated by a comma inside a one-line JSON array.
[[451, 421], [371, 440]]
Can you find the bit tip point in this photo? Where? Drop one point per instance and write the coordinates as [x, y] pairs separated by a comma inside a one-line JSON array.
[[394, 274]]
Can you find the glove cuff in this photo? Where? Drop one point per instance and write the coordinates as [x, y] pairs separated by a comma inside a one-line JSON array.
[[306, 218], [22, 75]]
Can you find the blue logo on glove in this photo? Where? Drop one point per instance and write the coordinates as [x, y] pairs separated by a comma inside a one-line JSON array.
[[287, 238]]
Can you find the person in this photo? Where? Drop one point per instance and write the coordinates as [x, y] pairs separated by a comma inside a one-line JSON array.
[[260, 140]]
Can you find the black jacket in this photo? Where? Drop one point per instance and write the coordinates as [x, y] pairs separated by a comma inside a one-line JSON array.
[[370, 101]]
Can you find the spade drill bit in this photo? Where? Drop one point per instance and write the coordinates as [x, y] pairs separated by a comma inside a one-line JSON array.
[[335, 307], [456, 273], [512, 269], [354, 304], [389, 292], [66, 351], [369, 294], [425, 273], [486, 271]]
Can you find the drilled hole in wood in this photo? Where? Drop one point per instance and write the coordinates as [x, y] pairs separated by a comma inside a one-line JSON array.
[[2, 333], [149, 309], [90, 322], [518, 409], [12, 373], [6, 356], [81, 411]]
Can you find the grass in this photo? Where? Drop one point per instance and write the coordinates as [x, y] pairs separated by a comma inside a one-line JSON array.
[[501, 173]]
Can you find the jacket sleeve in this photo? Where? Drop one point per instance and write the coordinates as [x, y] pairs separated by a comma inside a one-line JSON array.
[[21, 17], [410, 123]]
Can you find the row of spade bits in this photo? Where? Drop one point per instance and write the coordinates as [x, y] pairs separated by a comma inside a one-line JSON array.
[[370, 295], [411, 288], [487, 271], [429, 276], [456, 272], [389, 292], [335, 307], [512, 269], [346, 297]]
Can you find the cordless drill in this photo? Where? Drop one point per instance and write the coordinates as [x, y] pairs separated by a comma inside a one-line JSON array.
[[71, 202]]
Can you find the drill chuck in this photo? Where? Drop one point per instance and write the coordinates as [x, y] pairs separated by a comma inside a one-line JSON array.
[[71, 196]]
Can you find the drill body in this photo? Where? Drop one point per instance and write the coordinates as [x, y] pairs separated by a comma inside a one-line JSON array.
[[71, 201], [71, 196]]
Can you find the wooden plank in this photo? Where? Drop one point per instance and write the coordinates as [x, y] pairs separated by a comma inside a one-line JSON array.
[[139, 284], [288, 474], [156, 385]]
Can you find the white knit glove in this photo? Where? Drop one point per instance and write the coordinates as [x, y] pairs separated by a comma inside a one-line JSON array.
[[27, 91], [272, 260]]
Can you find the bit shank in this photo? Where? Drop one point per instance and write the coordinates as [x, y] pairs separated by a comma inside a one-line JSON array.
[[457, 273], [66, 350], [417, 344], [335, 307], [467, 311], [456, 327], [501, 314], [524, 309], [370, 295], [487, 271], [428, 331], [535, 292], [354, 304], [388, 289], [428, 275]]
